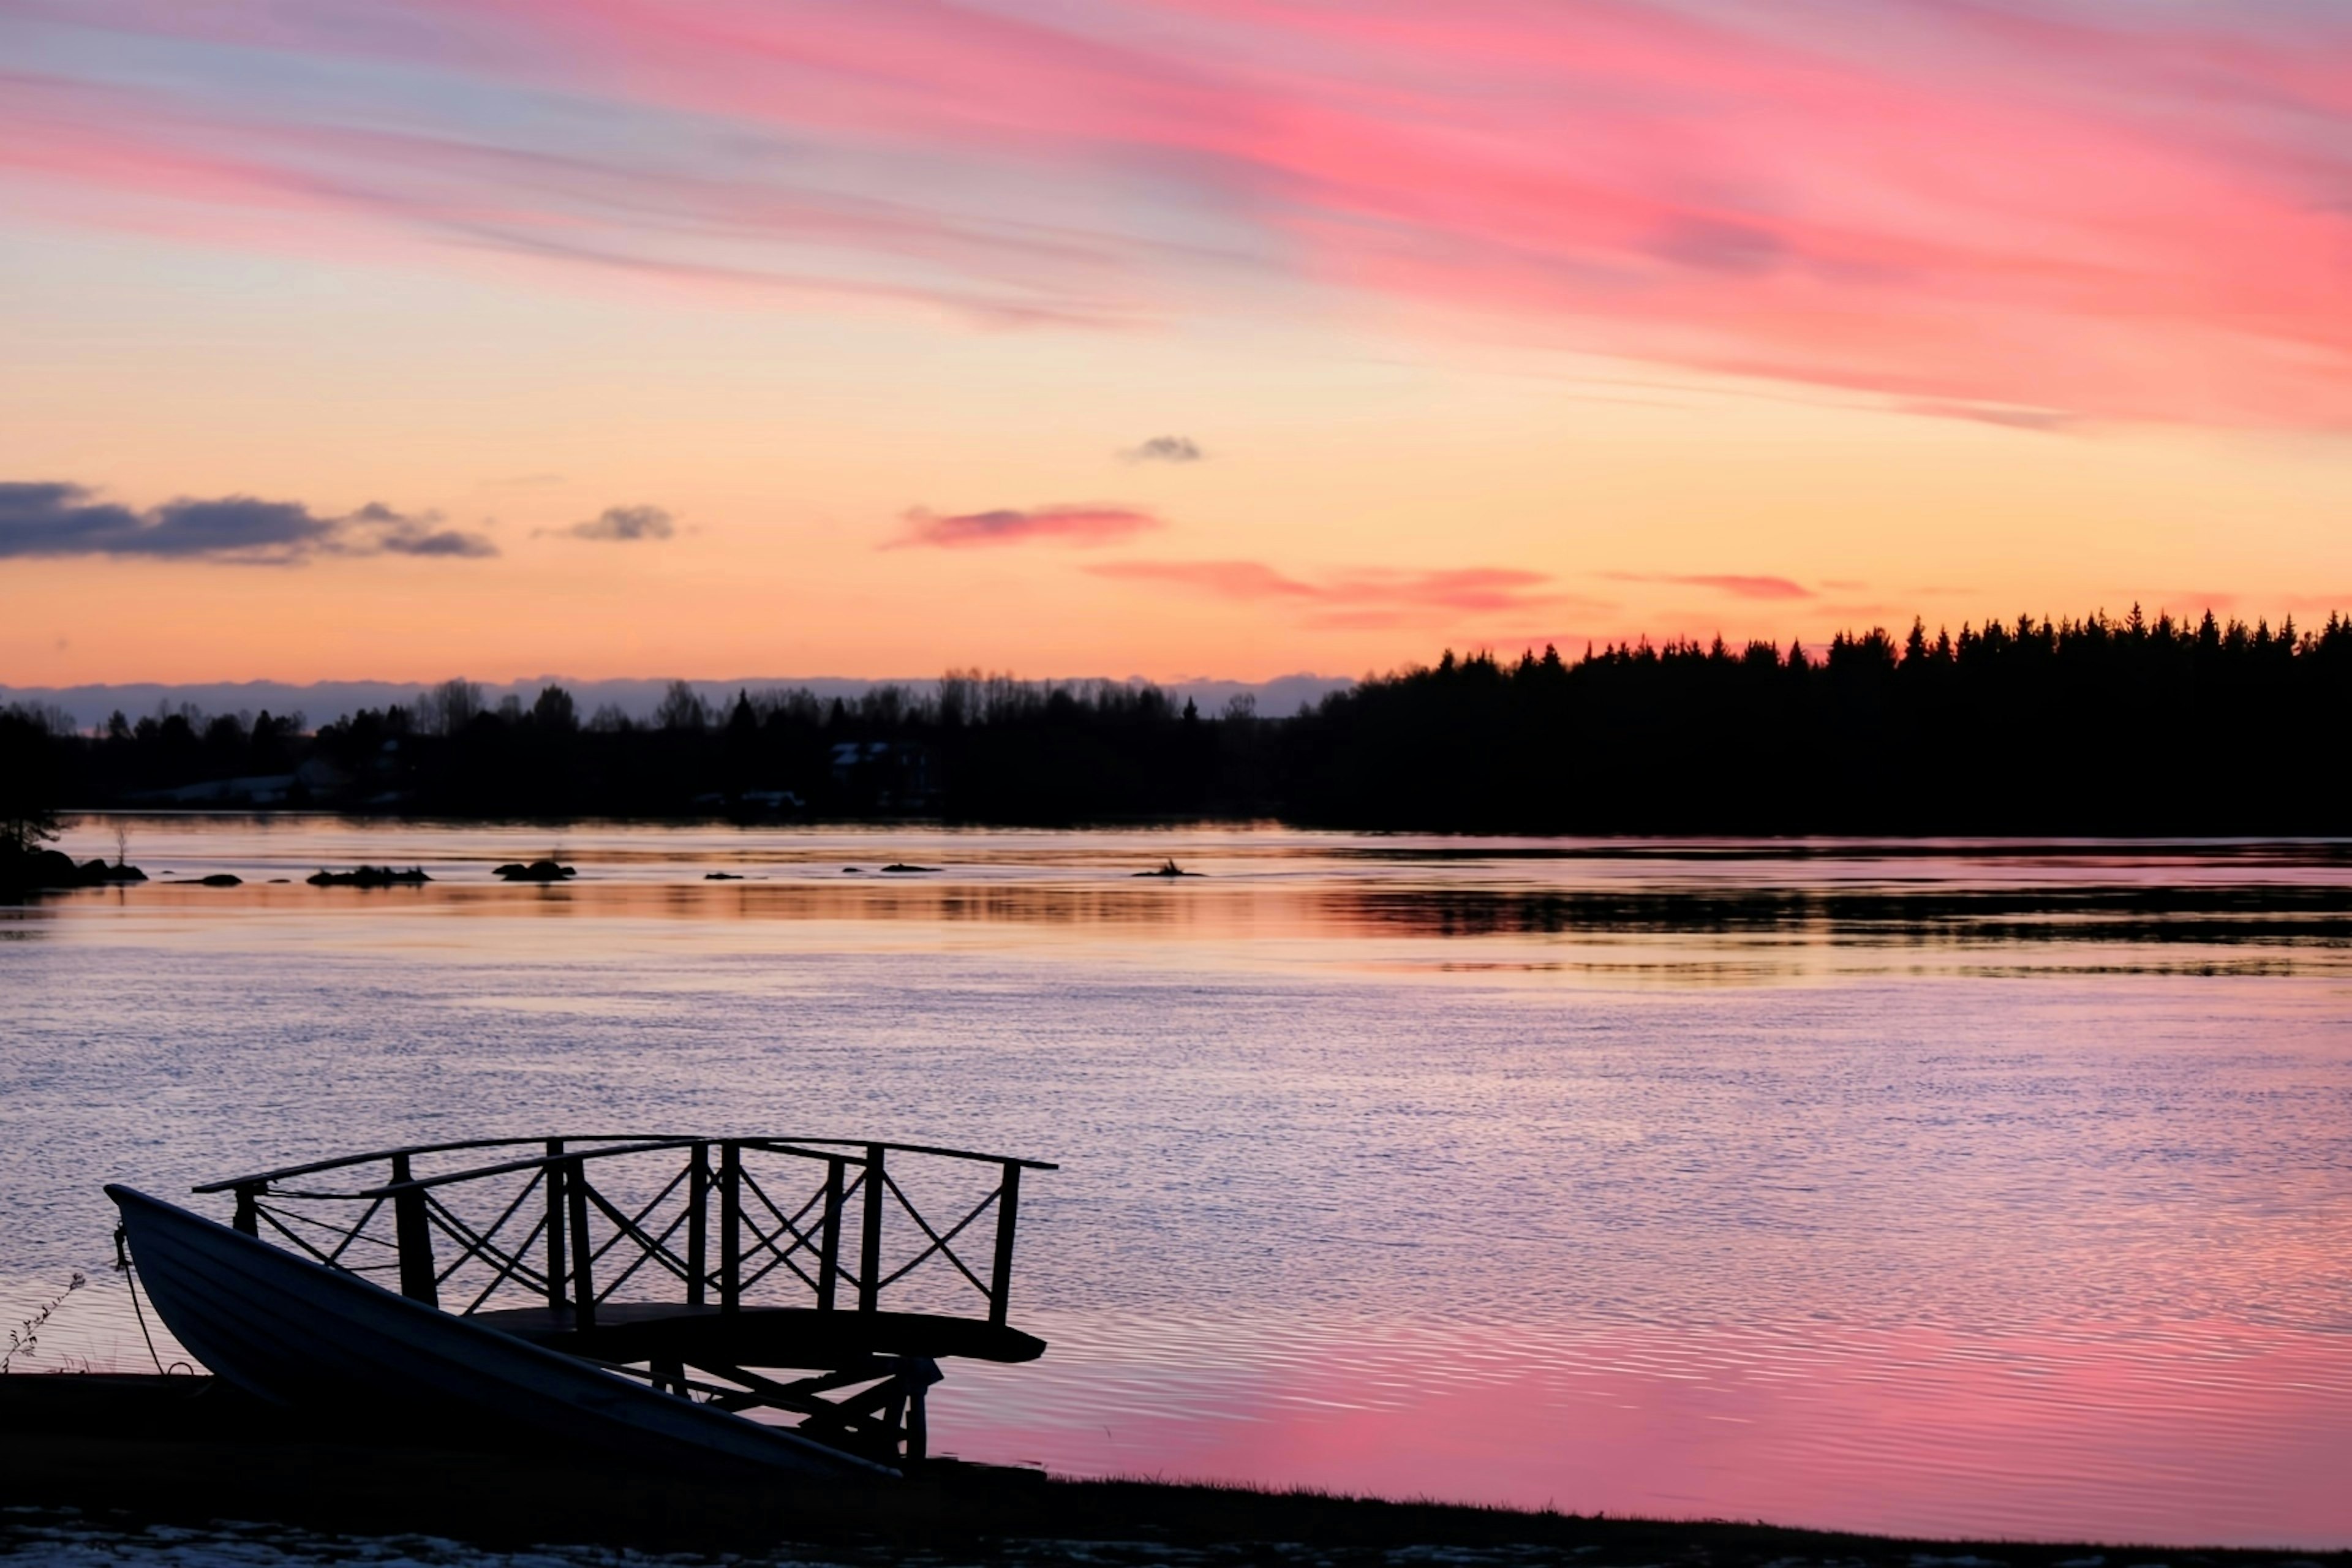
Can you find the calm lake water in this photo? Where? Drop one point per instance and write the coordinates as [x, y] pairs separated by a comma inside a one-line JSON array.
[[1985, 1189]]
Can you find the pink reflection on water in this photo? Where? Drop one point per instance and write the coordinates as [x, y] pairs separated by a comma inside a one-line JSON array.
[[2021, 1170], [2211, 1433]]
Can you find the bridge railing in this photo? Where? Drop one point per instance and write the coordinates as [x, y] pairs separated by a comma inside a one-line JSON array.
[[578, 1223]]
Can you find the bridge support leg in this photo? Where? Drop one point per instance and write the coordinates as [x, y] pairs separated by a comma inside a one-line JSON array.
[[730, 1226], [583, 1282], [1008, 1215], [698, 1224], [828, 1264], [869, 1267], [558, 1271], [919, 1426], [414, 1234]]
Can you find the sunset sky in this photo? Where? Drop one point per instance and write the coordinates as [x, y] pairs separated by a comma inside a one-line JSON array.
[[364, 338]]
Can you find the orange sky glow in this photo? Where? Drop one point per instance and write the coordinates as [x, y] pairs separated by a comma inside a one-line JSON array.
[[1203, 338]]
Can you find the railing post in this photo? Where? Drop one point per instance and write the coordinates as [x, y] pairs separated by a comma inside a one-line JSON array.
[[828, 1262], [414, 1236], [698, 1214], [583, 1283], [1008, 1213], [556, 1267], [730, 1226], [870, 1273], [248, 1210]]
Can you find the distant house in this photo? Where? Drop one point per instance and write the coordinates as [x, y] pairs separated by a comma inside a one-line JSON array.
[[776, 802], [261, 790], [895, 775]]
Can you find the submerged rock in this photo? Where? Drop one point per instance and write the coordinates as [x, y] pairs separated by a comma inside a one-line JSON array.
[[221, 879], [1169, 868]]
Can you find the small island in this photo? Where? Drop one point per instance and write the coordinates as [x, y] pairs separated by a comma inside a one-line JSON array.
[[28, 865], [536, 871], [42, 870], [368, 877]]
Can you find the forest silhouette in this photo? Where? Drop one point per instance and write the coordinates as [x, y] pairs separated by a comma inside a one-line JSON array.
[[2089, 726]]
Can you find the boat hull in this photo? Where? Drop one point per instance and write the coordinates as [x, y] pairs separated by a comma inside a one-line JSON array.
[[295, 1332]]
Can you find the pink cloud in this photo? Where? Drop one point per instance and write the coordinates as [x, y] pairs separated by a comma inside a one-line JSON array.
[[1738, 585], [1358, 598], [1741, 587], [2101, 208], [1062, 524], [1221, 579]]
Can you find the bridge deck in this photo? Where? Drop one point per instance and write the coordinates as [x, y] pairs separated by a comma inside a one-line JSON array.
[[760, 1336]]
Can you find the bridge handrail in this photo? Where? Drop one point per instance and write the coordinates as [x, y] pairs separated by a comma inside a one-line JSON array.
[[815, 1251], [635, 1142]]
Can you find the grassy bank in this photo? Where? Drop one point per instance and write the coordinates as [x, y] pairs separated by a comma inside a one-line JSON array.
[[144, 1450]]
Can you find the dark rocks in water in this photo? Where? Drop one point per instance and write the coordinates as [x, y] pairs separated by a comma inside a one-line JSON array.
[[368, 877], [536, 871], [220, 880], [1169, 868], [45, 869], [722, 877], [900, 866], [849, 871]]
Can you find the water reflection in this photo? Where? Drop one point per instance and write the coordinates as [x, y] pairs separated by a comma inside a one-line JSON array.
[[1983, 1189], [2224, 1437], [1776, 898]]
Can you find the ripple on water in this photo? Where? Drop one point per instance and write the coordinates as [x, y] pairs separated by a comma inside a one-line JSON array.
[[1970, 1191]]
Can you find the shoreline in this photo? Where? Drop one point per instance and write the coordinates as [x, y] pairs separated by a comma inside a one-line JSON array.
[[136, 1450]]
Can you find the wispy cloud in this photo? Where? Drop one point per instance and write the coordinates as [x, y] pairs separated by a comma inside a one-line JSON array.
[[1738, 585], [2104, 208], [2045, 421], [1224, 579], [1355, 598], [1083, 523], [1164, 449], [54, 518], [621, 523]]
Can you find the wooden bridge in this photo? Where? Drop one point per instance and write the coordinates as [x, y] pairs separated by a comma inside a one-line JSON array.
[[712, 1267]]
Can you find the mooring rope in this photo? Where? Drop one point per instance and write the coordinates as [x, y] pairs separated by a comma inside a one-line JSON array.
[[131, 1279]]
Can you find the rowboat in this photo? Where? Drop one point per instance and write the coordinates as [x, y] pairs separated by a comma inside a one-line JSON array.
[[509, 1327], [294, 1332]]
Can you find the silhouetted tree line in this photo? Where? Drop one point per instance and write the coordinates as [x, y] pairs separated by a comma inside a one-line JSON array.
[[2085, 726], [2088, 726], [974, 748]]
